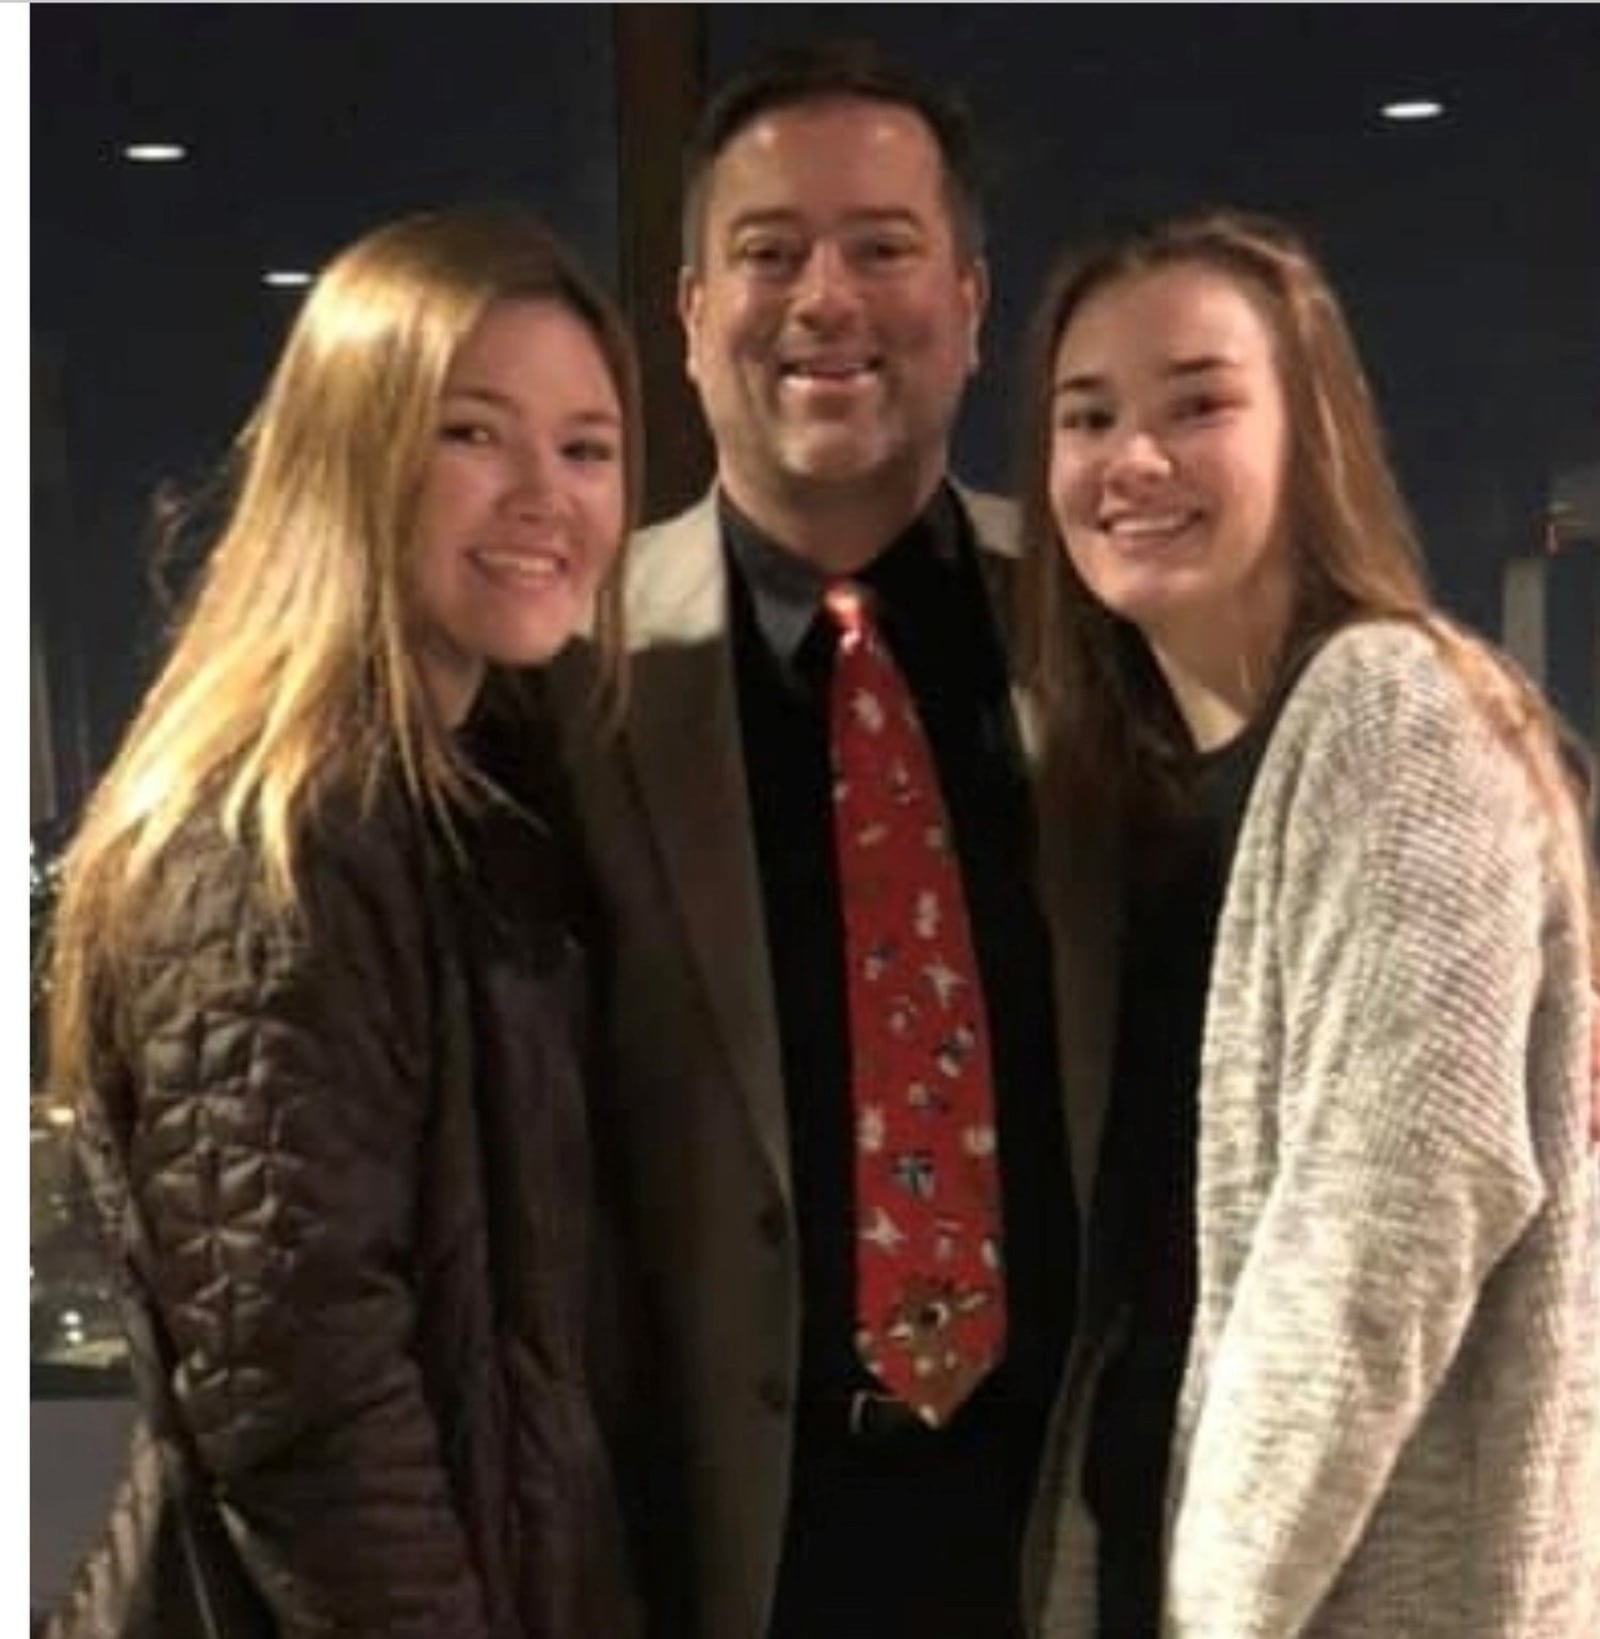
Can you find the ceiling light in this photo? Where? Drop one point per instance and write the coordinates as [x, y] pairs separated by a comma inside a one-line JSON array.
[[286, 278], [1413, 108], [155, 153]]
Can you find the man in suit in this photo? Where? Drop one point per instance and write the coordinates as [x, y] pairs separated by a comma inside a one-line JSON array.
[[832, 296]]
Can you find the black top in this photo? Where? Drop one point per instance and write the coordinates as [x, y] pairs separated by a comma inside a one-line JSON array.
[[1144, 1213], [911, 1531]]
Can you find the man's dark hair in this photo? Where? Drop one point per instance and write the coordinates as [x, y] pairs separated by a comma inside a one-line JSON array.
[[819, 72]]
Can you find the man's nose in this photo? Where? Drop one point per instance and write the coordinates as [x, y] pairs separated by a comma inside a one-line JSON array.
[[826, 284]]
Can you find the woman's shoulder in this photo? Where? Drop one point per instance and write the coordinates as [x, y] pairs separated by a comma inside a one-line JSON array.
[[1376, 665], [210, 880], [217, 954], [203, 885], [1395, 715], [1392, 685]]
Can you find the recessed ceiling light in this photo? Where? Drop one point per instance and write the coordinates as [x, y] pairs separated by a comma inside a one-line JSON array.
[[155, 153], [286, 278], [1413, 108]]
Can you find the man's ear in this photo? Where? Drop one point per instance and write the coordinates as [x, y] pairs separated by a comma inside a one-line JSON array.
[[691, 293], [975, 287]]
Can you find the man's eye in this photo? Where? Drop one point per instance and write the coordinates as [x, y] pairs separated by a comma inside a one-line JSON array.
[[885, 252], [766, 255]]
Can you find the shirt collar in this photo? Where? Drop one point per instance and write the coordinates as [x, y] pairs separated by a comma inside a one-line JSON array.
[[786, 590]]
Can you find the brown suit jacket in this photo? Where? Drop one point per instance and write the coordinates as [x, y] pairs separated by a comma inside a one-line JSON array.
[[695, 1106]]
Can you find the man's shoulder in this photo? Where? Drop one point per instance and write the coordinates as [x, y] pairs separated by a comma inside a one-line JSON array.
[[673, 577], [675, 574], [996, 523], [994, 518], [699, 518]]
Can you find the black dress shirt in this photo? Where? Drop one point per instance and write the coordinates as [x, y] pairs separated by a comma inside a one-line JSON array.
[[910, 1531]]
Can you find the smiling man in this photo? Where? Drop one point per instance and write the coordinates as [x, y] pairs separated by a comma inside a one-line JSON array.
[[831, 297], [841, 1148]]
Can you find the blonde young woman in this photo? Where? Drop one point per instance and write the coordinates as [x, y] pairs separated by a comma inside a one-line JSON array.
[[1346, 1197], [317, 976]]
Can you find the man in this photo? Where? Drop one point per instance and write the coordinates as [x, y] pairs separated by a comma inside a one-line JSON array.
[[832, 296]]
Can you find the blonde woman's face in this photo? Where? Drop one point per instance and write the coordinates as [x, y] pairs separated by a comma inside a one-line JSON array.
[[523, 498]]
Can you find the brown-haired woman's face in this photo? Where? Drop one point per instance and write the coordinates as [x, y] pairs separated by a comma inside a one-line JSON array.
[[523, 497], [1169, 450]]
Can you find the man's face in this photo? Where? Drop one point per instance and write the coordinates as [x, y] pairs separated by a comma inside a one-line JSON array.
[[832, 321]]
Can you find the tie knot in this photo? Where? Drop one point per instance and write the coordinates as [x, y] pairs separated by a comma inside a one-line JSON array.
[[846, 603]]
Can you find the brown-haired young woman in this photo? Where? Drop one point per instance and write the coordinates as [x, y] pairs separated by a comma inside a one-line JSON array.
[[1347, 1224]]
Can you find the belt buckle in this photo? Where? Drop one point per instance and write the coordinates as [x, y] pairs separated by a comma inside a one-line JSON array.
[[879, 1416]]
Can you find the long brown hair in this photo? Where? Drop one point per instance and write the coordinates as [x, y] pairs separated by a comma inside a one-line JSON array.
[[1113, 734], [1349, 529], [294, 671]]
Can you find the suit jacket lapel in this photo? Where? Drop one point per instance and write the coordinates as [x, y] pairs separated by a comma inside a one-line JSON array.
[[683, 740], [683, 747]]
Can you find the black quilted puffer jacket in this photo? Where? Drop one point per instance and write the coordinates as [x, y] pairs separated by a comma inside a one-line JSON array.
[[346, 1168]]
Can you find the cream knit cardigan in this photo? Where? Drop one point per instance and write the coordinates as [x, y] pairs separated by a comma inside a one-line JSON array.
[[1390, 1421]]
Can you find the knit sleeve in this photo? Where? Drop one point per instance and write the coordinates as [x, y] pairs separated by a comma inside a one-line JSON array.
[[1395, 866]]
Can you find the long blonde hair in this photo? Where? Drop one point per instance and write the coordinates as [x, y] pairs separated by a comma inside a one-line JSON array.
[[294, 671]]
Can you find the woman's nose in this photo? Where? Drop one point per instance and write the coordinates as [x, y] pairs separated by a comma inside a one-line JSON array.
[[1139, 454], [533, 489]]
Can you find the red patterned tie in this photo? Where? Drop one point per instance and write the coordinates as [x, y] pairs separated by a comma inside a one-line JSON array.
[[930, 1292]]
